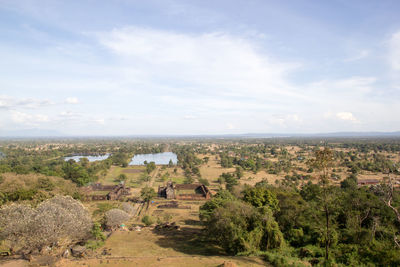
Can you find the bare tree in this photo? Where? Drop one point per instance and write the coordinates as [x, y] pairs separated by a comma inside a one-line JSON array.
[[15, 223], [128, 208], [115, 217], [56, 222], [61, 220]]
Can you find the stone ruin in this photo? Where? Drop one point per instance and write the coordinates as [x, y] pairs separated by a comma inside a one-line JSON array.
[[116, 192], [184, 191]]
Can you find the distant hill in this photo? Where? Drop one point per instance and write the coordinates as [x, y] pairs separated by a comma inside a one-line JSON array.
[[334, 134], [38, 133]]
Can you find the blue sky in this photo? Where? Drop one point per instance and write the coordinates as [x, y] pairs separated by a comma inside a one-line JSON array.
[[199, 67]]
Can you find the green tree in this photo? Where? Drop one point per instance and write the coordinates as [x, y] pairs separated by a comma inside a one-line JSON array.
[[260, 197], [323, 162], [239, 227], [148, 193], [239, 172], [122, 177], [170, 163], [150, 167], [76, 173]]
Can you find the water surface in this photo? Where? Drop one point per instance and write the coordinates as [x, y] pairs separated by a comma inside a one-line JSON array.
[[90, 158], [158, 158]]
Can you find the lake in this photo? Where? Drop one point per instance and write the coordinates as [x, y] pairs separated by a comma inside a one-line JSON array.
[[90, 158], [158, 158]]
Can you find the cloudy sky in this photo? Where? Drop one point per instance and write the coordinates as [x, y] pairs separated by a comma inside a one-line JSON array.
[[122, 67]]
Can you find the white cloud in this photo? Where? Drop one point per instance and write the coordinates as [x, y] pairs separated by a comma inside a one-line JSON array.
[[284, 120], [230, 126], [69, 115], [99, 121], [28, 119], [189, 117], [346, 116], [394, 51], [71, 100], [8, 102], [216, 64]]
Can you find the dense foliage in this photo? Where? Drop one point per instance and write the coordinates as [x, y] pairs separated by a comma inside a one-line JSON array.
[[318, 222]]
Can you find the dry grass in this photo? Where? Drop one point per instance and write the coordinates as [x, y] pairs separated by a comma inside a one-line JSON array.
[[150, 247], [169, 261]]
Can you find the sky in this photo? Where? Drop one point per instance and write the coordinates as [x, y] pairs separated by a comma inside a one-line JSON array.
[[125, 67]]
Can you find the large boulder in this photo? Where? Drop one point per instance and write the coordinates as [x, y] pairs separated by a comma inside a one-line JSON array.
[[78, 251]]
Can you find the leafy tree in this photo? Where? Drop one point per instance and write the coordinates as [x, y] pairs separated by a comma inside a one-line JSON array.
[[239, 227], [229, 179], [150, 167], [122, 178], [350, 182], [97, 233], [75, 172], [323, 162], [148, 193], [260, 197], [170, 163], [239, 172], [222, 197]]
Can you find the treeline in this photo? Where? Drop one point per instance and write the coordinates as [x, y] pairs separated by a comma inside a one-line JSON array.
[[188, 161]]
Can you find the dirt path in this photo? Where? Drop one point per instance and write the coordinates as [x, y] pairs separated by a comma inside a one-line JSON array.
[[153, 177]]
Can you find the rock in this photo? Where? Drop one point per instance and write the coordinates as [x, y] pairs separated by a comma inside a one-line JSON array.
[[78, 251]]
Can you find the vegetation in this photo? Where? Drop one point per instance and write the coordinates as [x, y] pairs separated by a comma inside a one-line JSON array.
[[290, 202]]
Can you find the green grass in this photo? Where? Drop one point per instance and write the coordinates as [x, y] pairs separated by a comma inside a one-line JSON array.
[[115, 171]]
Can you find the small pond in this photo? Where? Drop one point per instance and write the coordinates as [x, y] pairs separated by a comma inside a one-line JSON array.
[[158, 158], [91, 158]]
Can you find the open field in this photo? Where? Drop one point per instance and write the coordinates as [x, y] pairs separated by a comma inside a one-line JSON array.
[[186, 246], [132, 172]]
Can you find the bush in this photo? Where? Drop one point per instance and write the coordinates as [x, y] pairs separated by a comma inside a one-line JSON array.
[[97, 233], [204, 181], [147, 220], [94, 244]]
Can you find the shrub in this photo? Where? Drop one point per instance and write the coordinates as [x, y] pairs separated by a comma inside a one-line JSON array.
[[97, 233], [147, 220], [204, 181]]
